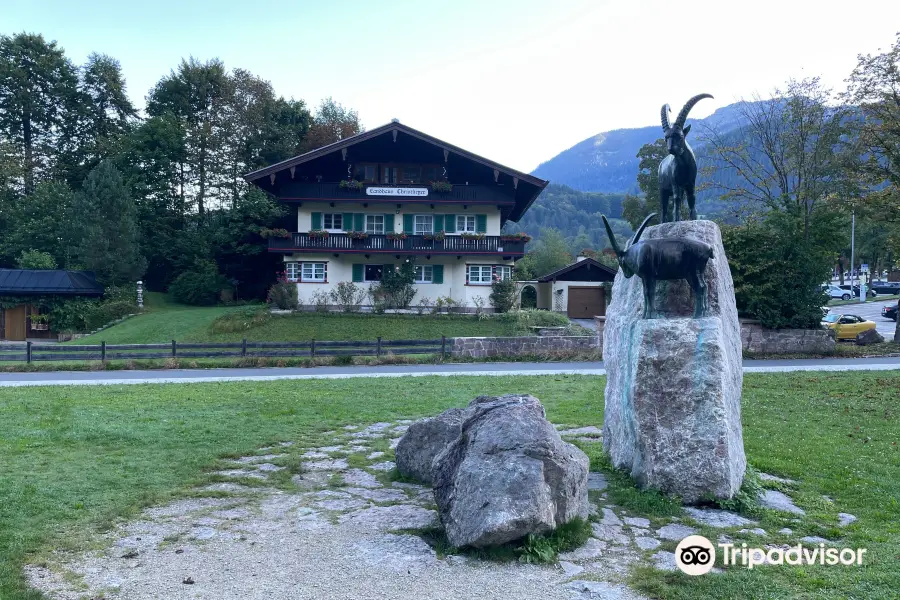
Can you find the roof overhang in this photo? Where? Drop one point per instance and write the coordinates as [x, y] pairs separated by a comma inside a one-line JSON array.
[[522, 205]]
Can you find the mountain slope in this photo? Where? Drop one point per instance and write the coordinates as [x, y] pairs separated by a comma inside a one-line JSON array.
[[607, 162]]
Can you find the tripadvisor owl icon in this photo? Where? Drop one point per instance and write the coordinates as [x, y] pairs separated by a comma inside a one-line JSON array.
[[695, 555]]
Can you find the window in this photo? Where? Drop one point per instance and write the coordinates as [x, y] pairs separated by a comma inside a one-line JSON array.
[[465, 223], [313, 272], [375, 224], [480, 274], [424, 224], [503, 272], [333, 221], [390, 175], [373, 272], [366, 173], [412, 174], [292, 270], [424, 274]]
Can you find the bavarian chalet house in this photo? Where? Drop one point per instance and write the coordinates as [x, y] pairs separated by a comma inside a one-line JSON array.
[[374, 200]]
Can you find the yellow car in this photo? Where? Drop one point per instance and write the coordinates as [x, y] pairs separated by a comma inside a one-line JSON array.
[[847, 326]]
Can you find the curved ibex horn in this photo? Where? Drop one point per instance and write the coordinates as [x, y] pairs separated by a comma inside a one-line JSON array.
[[637, 235], [612, 238], [664, 115], [682, 116]]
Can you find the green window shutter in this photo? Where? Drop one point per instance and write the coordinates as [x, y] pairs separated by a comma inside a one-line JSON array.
[[359, 222], [408, 224], [438, 222], [450, 223], [357, 273], [388, 223], [438, 273], [347, 221], [316, 221], [481, 223]]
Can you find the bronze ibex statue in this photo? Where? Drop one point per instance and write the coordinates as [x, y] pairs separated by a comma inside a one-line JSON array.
[[664, 259], [678, 170]]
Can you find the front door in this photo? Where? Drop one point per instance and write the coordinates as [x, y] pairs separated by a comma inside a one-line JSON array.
[[14, 320]]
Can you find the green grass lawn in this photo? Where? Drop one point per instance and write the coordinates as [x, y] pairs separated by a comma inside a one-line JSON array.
[[75, 459], [165, 321]]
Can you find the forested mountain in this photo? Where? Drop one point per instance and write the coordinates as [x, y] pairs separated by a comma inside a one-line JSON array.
[[575, 214], [593, 177], [607, 162]]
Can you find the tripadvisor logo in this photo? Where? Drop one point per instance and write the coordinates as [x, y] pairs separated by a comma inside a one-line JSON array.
[[696, 555]]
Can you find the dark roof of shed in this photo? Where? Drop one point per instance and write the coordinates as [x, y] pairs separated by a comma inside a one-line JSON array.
[[24, 282], [588, 263]]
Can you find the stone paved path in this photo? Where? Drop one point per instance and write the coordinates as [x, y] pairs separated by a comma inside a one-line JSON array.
[[340, 528]]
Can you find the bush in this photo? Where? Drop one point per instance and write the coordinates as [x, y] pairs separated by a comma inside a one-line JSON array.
[[199, 286], [503, 295], [78, 315], [777, 273], [35, 259], [320, 300], [348, 296], [283, 294], [397, 287]]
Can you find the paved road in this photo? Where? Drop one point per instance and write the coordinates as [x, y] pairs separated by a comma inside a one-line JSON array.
[[870, 311], [465, 369]]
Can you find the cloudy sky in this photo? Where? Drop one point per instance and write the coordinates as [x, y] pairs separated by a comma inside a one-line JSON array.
[[517, 81]]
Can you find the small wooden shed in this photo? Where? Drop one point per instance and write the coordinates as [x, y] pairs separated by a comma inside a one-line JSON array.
[[28, 319]]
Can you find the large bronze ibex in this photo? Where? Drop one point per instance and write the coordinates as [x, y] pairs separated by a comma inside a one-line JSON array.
[[664, 259], [678, 170]]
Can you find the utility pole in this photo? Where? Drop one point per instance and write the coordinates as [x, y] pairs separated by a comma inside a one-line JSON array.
[[852, 248]]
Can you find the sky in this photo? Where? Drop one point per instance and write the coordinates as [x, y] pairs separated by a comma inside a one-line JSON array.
[[517, 81]]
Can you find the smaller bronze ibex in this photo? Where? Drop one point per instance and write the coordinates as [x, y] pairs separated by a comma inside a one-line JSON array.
[[664, 259]]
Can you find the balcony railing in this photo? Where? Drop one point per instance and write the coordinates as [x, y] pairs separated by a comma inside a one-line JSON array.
[[459, 194], [419, 244]]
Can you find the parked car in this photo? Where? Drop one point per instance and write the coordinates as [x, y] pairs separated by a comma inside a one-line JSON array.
[[846, 327], [886, 287], [870, 293], [833, 291], [890, 311]]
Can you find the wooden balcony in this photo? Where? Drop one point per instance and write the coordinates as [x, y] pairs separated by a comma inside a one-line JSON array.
[[460, 194], [412, 244]]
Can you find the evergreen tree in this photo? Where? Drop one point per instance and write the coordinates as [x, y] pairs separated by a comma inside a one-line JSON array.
[[105, 223], [37, 94], [40, 221]]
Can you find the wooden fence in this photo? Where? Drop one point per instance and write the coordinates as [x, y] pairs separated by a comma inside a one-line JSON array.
[[30, 352]]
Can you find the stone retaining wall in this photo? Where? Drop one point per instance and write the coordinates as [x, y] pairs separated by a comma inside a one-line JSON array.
[[756, 338], [480, 347]]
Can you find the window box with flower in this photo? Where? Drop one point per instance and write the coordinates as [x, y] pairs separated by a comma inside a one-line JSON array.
[[515, 237], [318, 234], [472, 236], [437, 236], [351, 184], [395, 237], [441, 187]]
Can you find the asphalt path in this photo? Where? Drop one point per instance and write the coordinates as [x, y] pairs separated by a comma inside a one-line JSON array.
[[870, 311], [446, 370]]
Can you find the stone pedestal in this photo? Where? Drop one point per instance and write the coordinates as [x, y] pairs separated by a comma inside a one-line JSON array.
[[673, 392]]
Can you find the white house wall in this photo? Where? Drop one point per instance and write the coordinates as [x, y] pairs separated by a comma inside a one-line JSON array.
[[304, 213], [341, 269]]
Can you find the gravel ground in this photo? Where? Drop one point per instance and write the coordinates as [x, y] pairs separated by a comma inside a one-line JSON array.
[[334, 533]]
